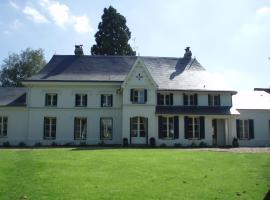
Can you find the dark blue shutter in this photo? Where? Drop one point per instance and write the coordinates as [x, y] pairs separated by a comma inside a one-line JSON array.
[[131, 95], [102, 100], [185, 99], [195, 99], [44, 126], [46, 99], [209, 100], [111, 100], [160, 126], [202, 129], [130, 125], [219, 100], [186, 127], [171, 98], [238, 128], [158, 98], [251, 128], [85, 99], [176, 127], [145, 95]]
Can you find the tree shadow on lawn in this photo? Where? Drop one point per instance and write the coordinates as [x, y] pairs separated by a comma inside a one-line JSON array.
[[267, 196]]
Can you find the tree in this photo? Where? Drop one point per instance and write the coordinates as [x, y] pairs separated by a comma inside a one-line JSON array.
[[113, 35], [17, 67]]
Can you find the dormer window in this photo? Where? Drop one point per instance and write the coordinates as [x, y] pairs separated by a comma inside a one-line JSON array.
[[51, 99], [138, 96], [213, 99], [81, 100], [190, 99], [165, 99]]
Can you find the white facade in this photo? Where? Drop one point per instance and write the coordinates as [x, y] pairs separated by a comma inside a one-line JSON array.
[[26, 124]]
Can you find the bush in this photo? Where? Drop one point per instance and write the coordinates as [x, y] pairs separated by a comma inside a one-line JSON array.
[[21, 144], [178, 145], [38, 144], [68, 144], [101, 143], [163, 145], [202, 144], [193, 145], [152, 142], [235, 142], [125, 142], [83, 143], [54, 144], [6, 144]]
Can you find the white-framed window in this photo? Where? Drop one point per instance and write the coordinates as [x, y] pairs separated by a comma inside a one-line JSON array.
[[138, 96], [81, 100], [213, 99], [106, 100], [80, 128], [3, 126], [106, 128], [190, 99], [167, 127], [165, 99], [193, 125], [49, 128], [138, 126], [51, 99], [244, 129]]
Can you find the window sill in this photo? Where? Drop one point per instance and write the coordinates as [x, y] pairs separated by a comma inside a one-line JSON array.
[[79, 139], [48, 106], [167, 138], [49, 138], [194, 139], [244, 139], [106, 139]]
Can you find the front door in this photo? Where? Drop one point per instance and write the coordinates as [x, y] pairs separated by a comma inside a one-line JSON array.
[[138, 130], [218, 126]]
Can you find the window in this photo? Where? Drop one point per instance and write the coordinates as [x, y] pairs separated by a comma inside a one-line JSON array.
[[106, 128], [49, 128], [138, 96], [81, 100], [190, 99], [138, 126], [106, 100], [80, 128], [245, 129], [194, 128], [51, 100], [167, 130], [3, 126], [213, 99], [165, 99]]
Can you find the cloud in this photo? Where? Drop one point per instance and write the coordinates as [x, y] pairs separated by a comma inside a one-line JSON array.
[[62, 16], [35, 15], [16, 24], [14, 5], [263, 11]]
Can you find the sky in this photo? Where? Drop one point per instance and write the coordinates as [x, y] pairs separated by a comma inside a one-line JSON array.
[[230, 38]]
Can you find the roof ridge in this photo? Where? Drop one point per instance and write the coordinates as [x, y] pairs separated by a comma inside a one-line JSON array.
[[117, 56]]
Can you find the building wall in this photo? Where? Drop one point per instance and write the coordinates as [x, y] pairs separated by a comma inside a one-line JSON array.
[[261, 127]]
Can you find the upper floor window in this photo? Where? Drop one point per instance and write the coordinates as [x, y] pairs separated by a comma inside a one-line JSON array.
[[80, 128], [106, 100], [138, 96], [165, 99], [194, 127], [81, 100], [106, 128], [190, 99], [3, 126], [245, 128], [213, 99], [49, 128], [51, 99]]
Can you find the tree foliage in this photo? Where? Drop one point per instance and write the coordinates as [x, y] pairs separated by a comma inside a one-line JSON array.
[[17, 67], [113, 35]]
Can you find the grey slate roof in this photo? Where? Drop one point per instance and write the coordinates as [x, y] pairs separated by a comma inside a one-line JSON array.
[[169, 73], [194, 110], [12, 96]]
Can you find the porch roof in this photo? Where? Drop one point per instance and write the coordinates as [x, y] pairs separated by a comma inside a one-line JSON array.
[[194, 110]]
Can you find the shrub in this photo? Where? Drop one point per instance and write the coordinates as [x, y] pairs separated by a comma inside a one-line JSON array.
[[178, 145], [202, 144], [125, 142], [68, 144], [6, 144], [83, 143], [21, 144], [54, 144], [152, 142], [193, 145], [235, 142], [101, 143], [38, 144], [163, 145]]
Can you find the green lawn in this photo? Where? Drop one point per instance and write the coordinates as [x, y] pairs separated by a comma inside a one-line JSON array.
[[132, 174]]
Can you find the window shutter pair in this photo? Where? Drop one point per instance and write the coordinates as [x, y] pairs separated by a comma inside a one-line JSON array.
[[132, 95], [251, 128], [176, 127], [103, 99], [187, 121]]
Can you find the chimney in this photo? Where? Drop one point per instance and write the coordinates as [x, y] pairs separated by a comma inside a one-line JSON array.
[[78, 50], [188, 53]]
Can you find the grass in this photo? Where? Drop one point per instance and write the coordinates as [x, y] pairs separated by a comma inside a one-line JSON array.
[[132, 174]]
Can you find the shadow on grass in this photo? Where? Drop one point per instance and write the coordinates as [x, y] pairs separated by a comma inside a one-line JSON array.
[[267, 196]]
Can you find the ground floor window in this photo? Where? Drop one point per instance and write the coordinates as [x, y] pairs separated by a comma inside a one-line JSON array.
[[3, 126], [80, 128], [167, 127], [194, 127], [106, 128], [138, 126], [49, 127], [245, 129]]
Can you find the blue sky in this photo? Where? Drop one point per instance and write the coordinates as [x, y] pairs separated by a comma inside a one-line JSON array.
[[229, 38]]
